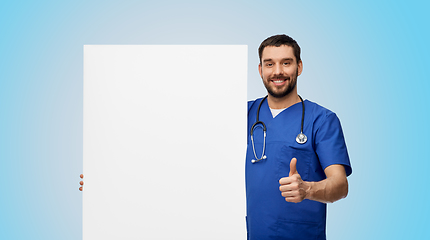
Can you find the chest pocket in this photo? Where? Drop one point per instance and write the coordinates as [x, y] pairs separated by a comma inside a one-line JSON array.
[[304, 161]]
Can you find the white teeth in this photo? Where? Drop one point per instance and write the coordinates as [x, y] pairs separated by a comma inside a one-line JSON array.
[[278, 81]]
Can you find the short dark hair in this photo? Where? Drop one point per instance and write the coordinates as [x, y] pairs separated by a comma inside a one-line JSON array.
[[279, 40]]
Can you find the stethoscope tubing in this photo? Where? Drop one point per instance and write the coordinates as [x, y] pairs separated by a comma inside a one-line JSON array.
[[301, 138], [257, 122]]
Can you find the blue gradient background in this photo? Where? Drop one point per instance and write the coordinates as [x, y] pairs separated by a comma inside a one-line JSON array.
[[367, 61]]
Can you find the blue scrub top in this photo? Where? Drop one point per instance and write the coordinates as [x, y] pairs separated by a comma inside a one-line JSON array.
[[269, 216]]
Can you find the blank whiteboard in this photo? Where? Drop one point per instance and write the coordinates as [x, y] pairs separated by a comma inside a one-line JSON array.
[[164, 142]]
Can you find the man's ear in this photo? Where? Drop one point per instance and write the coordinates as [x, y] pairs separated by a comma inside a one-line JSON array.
[[260, 70], [299, 68]]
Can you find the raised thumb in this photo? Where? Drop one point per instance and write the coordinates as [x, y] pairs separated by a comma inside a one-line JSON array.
[[293, 168]]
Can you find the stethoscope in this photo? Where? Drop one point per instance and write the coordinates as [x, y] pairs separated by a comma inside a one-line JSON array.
[[301, 137]]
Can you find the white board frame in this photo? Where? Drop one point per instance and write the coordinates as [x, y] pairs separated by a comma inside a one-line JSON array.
[[164, 141]]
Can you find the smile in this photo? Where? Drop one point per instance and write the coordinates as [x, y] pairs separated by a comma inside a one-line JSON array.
[[278, 81]]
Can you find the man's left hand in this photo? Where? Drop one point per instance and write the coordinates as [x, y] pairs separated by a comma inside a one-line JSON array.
[[293, 188]]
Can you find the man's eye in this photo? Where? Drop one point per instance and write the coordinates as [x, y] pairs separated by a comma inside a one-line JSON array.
[[286, 63], [269, 64]]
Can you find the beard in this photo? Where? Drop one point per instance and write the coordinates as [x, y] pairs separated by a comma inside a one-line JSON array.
[[282, 91]]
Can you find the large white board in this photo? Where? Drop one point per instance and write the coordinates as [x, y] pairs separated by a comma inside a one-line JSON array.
[[164, 142]]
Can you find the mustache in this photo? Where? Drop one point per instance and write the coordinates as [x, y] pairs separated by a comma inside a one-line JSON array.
[[280, 76]]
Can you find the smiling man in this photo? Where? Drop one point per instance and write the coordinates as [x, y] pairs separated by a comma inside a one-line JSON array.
[[297, 160]]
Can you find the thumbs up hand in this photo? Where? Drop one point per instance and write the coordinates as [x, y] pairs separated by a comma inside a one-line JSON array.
[[293, 188]]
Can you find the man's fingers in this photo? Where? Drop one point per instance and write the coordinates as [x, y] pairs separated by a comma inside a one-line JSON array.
[[293, 169], [289, 187], [81, 183], [288, 180], [293, 199]]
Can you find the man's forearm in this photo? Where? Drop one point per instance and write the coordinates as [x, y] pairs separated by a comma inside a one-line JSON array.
[[331, 189]]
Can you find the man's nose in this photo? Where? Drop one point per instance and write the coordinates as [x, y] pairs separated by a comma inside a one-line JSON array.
[[278, 69]]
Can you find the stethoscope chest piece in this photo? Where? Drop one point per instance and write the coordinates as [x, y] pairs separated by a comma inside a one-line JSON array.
[[301, 138]]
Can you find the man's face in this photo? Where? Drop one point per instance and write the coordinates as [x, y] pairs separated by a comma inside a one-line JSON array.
[[279, 70]]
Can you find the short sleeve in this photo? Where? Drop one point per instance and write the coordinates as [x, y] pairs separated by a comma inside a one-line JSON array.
[[250, 103], [330, 143]]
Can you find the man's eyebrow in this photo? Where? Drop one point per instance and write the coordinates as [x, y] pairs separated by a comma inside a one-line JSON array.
[[284, 59]]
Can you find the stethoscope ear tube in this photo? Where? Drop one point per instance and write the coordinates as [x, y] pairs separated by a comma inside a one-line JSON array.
[[264, 144], [256, 124]]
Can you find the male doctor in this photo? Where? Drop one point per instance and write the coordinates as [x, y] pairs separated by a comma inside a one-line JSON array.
[[301, 162]]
